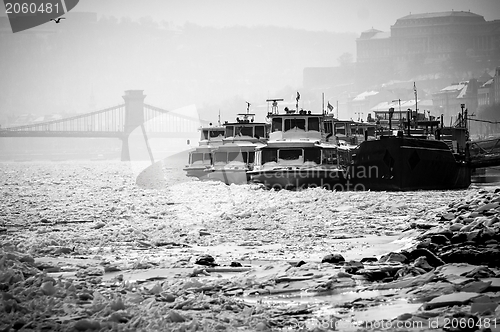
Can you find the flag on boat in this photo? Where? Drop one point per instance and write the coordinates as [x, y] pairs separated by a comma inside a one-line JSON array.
[[330, 107], [298, 96]]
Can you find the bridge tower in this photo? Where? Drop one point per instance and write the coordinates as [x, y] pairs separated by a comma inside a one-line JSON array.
[[134, 117]]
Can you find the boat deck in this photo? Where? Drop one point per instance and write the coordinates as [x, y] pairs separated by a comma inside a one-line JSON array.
[[484, 153]]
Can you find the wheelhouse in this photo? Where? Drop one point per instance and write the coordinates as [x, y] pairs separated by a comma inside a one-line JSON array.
[[212, 135], [221, 158], [200, 158], [288, 122], [246, 129]]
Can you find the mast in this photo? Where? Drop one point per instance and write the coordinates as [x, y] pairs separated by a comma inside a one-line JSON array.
[[274, 107], [323, 105], [400, 114], [416, 107]]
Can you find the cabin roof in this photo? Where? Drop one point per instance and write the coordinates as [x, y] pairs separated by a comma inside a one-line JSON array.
[[224, 148], [239, 144], [296, 114], [291, 143], [202, 149], [244, 124], [213, 128]]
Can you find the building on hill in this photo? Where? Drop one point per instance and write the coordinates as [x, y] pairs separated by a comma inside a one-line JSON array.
[[374, 60], [450, 43], [448, 100], [484, 94], [496, 87]]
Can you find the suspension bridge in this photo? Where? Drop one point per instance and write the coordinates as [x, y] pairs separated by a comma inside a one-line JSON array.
[[116, 122]]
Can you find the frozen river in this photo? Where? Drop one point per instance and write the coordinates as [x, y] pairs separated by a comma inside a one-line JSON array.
[[109, 251], [53, 202]]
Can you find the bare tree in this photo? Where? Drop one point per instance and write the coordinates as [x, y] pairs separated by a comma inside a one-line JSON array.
[[345, 59]]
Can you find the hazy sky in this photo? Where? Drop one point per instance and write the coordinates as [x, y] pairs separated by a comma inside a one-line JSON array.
[[330, 15], [189, 76]]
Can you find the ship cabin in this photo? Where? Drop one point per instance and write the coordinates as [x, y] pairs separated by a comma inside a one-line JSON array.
[[200, 160], [212, 135], [413, 124], [296, 125], [392, 122], [242, 153], [288, 154], [245, 129], [200, 156], [348, 131], [232, 160]]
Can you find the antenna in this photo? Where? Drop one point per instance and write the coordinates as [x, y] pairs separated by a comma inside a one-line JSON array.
[[323, 103], [274, 108], [219, 117], [416, 105]]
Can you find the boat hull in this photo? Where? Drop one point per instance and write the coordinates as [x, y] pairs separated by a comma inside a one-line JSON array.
[[403, 164], [294, 179], [197, 172], [229, 176]]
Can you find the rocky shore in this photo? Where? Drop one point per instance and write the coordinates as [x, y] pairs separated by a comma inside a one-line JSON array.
[[288, 261]]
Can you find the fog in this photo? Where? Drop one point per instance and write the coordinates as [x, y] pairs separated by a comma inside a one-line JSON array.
[[212, 54], [76, 68]]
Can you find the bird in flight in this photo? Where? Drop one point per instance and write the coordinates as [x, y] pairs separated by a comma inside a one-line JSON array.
[[57, 20]]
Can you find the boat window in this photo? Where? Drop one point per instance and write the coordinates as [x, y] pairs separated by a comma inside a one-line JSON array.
[[277, 124], [251, 157], [237, 156], [340, 129], [328, 128], [313, 155], [260, 131], [214, 133], [220, 158], [313, 124], [229, 131], [290, 154], [245, 157], [329, 157], [269, 155], [244, 131], [257, 158], [195, 157], [205, 134], [292, 123]]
